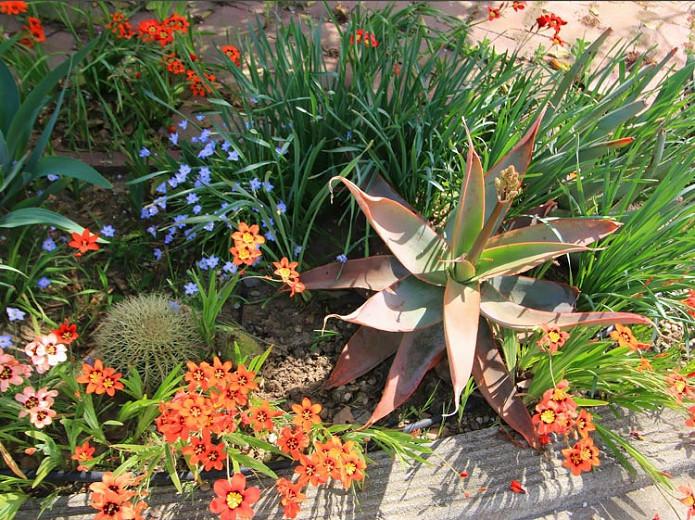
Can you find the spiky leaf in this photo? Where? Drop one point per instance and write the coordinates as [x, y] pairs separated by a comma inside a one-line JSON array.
[[407, 305], [461, 313], [378, 187], [516, 258], [469, 216], [538, 294], [366, 349], [418, 353], [582, 231], [416, 245], [509, 314], [496, 385], [374, 273]]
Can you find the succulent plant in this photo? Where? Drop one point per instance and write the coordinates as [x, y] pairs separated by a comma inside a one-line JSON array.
[[148, 333], [440, 295]]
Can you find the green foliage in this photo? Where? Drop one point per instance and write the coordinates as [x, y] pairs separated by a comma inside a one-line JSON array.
[[150, 334], [212, 299]]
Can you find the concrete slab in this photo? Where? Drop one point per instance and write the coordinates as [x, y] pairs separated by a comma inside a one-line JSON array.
[[436, 491]]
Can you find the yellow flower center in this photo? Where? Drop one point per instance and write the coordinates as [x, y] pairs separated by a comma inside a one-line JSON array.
[[680, 386], [350, 468], [234, 499], [108, 382], [585, 454], [248, 238], [554, 336], [559, 395], [548, 416], [94, 376]]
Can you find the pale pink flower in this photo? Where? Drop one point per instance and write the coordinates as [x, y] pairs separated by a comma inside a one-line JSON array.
[[41, 417], [33, 399], [12, 372], [53, 351], [39, 362]]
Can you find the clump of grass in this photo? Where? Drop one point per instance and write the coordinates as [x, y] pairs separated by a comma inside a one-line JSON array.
[[151, 334]]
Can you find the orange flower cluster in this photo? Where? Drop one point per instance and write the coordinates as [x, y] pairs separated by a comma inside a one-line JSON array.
[[13, 8], [625, 338], [120, 27], [554, 22], [233, 499], [35, 28], [493, 13], [66, 333], [83, 454], [114, 498], [679, 386], [152, 30], [366, 38], [553, 338], [173, 64], [557, 413], [247, 244], [232, 53], [287, 271], [330, 459], [100, 379], [197, 86]]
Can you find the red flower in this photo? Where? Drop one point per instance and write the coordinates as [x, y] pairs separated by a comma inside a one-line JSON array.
[[176, 23], [583, 456], [690, 422], [214, 457], [13, 8], [516, 487], [553, 338], [293, 441], [261, 417], [493, 13], [87, 241], [120, 27], [234, 498], [243, 380], [584, 423], [83, 453], [366, 38], [66, 333], [291, 496], [518, 6], [232, 53], [36, 29]]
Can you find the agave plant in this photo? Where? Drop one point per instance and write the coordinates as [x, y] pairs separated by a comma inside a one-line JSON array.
[[440, 294]]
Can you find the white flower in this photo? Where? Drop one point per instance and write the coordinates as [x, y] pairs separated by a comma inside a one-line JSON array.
[[54, 352]]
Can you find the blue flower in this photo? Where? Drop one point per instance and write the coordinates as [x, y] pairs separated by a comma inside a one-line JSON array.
[[297, 250], [267, 223], [348, 135], [152, 230], [269, 236], [248, 125], [144, 152], [161, 202], [169, 237], [6, 339], [255, 184], [200, 117], [207, 151], [267, 186], [144, 213], [233, 156], [281, 208], [108, 231], [52, 177], [253, 100], [203, 264], [209, 226], [213, 261], [173, 181], [48, 245], [161, 188], [280, 150], [341, 258], [174, 138], [197, 209], [189, 234], [157, 253], [226, 145], [179, 221], [174, 306], [230, 268], [43, 282], [152, 210], [190, 288], [14, 314], [204, 175], [183, 124], [204, 136], [192, 198]]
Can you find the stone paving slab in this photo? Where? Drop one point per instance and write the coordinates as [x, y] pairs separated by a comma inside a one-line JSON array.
[[435, 491]]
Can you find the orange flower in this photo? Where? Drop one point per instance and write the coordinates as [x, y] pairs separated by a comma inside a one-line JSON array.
[[176, 23], [310, 471], [234, 499], [688, 500], [148, 30], [518, 6], [219, 373], [331, 463], [690, 422], [232, 53], [553, 338], [584, 423], [366, 38], [644, 365], [116, 484], [66, 333], [516, 487], [556, 40], [296, 287], [198, 376], [214, 457], [91, 375], [36, 29], [307, 414], [195, 410], [13, 8], [120, 27], [583, 456], [243, 380], [352, 468], [174, 65], [261, 417], [290, 497], [286, 270], [333, 443], [197, 448], [493, 13], [293, 441], [83, 453], [679, 387], [248, 235], [84, 242], [690, 302], [111, 506], [556, 411]]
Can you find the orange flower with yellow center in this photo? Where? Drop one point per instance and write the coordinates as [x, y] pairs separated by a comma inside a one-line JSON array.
[[625, 338], [306, 414]]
